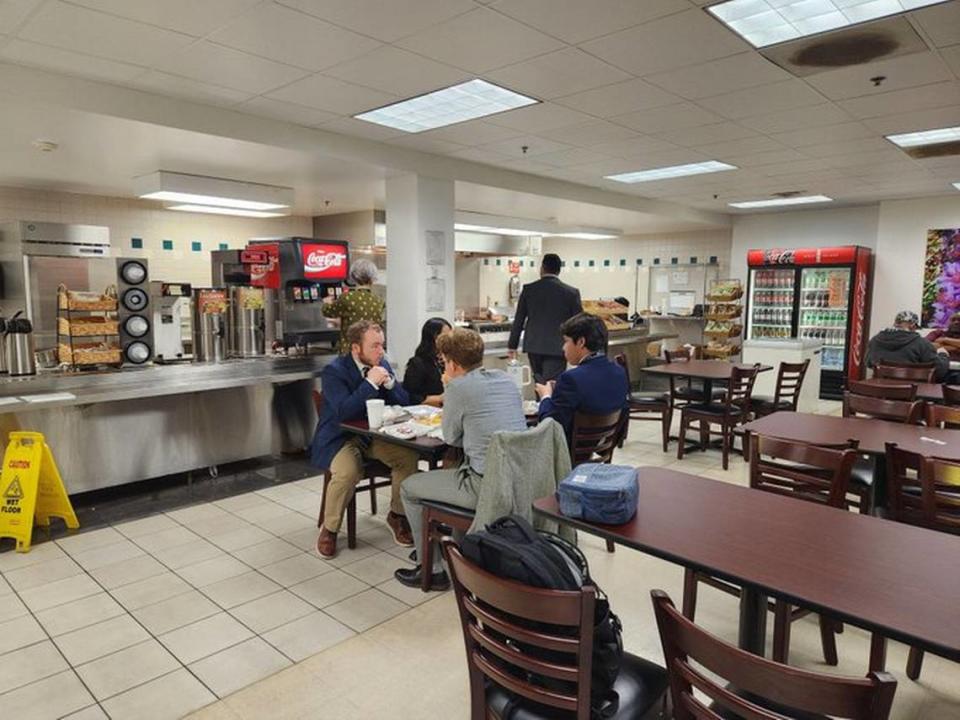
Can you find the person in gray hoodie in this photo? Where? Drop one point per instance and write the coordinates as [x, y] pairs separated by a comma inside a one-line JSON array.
[[902, 344]]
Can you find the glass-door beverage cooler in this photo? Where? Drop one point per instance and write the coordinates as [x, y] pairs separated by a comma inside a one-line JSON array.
[[814, 293]]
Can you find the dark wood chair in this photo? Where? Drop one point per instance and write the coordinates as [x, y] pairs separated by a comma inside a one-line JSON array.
[[372, 469], [923, 492], [885, 391], [683, 393], [530, 650], [787, 393], [815, 474], [916, 373], [752, 686], [951, 394], [734, 410], [903, 411], [594, 439], [647, 406], [943, 417]]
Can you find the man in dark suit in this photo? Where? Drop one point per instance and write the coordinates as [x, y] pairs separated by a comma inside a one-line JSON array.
[[593, 385], [347, 383], [542, 307]]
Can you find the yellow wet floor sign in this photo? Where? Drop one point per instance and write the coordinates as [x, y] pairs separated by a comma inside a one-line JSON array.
[[31, 489]]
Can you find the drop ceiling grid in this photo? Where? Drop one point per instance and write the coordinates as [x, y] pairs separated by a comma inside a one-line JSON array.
[[760, 114]]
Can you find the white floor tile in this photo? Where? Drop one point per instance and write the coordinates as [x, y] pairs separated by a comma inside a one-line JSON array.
[[42, 573], [127, 668], [363, 611], [146, 526], [93, 712], [408, 595], [175, 612], [129, 571], [205, 637], [271, 611], [87, 540], [329, 588], [221, 524], [27, 665], [212, 571], [60, 592], [150, 591], [345, 555], [240, 589], [195, 516], [296, 569], [170, 537], [238, 538], [11, 607], [18, 633], [79, 614], [375, 569], [168, 697], [288, 522], [94, 641], [309, 635], [40, 552], [99, 557], [53, 697], [239, 666], [189, 554], [266, 553]]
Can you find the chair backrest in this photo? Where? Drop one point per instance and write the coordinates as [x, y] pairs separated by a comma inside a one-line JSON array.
[[621, 360], [490, 608], [923, 491], [951, 394], [595, 436], [880, 409], [917, 373], [681, 355], [887, 391], [806, 472], [943, 416], [789, 382], [740, 389], [318, 401], [759, 681]]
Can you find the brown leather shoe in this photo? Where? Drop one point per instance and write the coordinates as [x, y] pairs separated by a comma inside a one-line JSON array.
[[401, 529], [327, 543]]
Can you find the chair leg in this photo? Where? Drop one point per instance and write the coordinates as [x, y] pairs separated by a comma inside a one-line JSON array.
[[426, 562], [690, 583], [352, 522], [611, 546], [914, 663], [878, 653], [781, 632], [373, 496], [726, 432], [683, 436], [704, 435], [666, 418], [828, 640], [323, 500]]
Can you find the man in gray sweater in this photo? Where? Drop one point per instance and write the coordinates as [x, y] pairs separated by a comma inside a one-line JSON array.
[[477, 403]]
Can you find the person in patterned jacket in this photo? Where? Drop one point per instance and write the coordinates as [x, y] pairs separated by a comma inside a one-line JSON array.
[[358, 304]]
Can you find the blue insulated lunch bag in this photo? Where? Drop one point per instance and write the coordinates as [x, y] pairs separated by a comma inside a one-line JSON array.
[[600, 493]]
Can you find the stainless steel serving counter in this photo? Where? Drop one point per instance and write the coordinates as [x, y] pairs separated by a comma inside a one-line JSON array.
[[118, 427]]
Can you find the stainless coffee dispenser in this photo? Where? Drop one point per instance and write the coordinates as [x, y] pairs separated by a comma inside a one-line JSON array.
[[210, 326], [246, 316], [18, 347]]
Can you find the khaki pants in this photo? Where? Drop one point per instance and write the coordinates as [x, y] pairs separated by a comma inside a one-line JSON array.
[[346, 469]]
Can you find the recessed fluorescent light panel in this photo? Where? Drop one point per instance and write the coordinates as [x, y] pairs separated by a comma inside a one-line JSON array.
[[768, 22], [214, 210], [491, 230], [926, 137], [210, 191], [778, 202], [584, 236], [673, 171], [456, 104], [957, 185]]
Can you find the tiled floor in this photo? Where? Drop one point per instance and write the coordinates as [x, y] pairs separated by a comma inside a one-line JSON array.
[[223, 606]]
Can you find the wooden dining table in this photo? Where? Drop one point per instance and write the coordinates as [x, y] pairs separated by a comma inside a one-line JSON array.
[[888, 578], [707, 371], [872, 435], [430, 448], [931, 392]]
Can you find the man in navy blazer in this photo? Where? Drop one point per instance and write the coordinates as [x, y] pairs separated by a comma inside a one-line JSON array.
[[595, 385], [347, 383]]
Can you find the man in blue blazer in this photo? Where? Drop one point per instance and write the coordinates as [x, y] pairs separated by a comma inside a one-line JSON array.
[[347, 383], [595, 385]]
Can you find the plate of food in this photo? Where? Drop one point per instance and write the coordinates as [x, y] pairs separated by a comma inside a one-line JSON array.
[[531, 407]]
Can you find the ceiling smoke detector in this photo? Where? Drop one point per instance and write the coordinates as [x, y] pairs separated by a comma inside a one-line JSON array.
[[45, 145]]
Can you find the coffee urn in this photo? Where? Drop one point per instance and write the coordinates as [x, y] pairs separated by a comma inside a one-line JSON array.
[[246, 313], [18, 347], [210, 330]]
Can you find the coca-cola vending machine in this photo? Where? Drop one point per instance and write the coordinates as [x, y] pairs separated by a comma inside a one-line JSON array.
[[302, 272]]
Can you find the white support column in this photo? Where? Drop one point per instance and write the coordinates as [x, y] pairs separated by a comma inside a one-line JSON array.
[[420, 270]]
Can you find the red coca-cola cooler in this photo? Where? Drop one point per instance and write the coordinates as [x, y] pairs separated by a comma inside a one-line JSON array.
[[301, 271], [814, 293]]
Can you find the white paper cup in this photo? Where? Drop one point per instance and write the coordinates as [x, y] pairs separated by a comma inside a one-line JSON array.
[[375, 413]]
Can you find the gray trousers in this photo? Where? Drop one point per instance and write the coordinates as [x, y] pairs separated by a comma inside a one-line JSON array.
[[459, 486]]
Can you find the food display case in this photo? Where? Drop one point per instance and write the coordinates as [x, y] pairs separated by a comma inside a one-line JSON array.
[[723, 327], [611, 312]]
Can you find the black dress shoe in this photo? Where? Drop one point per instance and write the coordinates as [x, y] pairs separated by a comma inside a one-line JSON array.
[[411, 577]]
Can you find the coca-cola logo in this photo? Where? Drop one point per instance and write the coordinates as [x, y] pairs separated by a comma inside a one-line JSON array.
[[859, 317], [320, 261], [778, 256]]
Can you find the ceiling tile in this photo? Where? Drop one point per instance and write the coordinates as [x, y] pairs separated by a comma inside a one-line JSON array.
[[635, 147], [890, 103], [704, 134], [575, 21], [225, 67], [479, 154], [941, 23], [681, 115], [773, 157], [288, 112], [619, 99], [71, 63], [909, 121], [279, 33], [665, 158], [558, 73], [901, 72], [472, 133], [361, 129], [386, 20], [514, 148], [569, 158], [187, 16], [431, 145], [590, 134], [480, 41], [175, 86], [675, 41], [784, 95], [732, 148], [796, 119], [847, 147], [93, 33], [397, 71], [893, 155], [719, 76], [332, 95], [14, 12], [537, 118], [803, 169], [831, 133]]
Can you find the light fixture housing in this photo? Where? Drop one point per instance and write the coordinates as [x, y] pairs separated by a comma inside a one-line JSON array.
[[671, 171], [451, 105], [492, 230], [925, 137], [768, 22], [210, 191], [215, 210], [779, 202]]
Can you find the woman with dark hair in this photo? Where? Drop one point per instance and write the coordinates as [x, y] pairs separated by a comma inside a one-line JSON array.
[[423, 379]]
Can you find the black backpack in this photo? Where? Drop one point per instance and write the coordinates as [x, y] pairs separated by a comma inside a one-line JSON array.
[[511, 548]]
